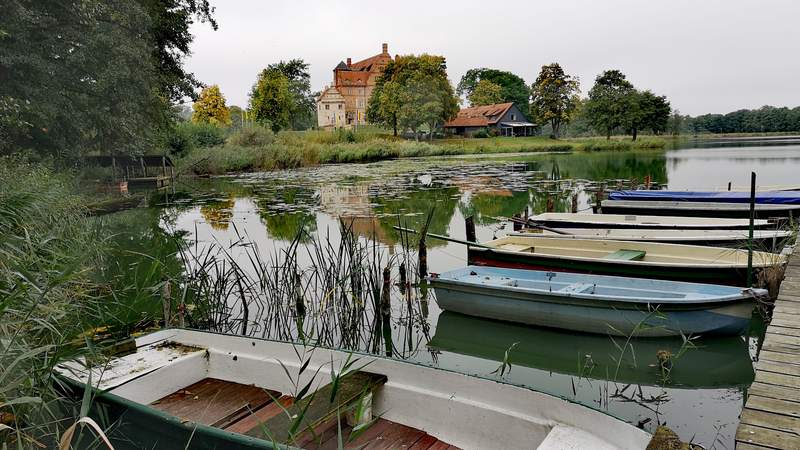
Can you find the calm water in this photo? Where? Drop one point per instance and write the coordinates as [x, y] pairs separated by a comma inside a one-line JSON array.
[[700, 398]]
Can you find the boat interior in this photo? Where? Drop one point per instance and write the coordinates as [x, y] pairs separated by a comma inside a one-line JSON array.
[[259, 388], [629, 251]]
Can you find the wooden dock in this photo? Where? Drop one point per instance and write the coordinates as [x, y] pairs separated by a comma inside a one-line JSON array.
[[771, 415]]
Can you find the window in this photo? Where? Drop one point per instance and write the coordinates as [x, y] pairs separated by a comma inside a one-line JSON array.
[[513, 117], [327, 106], [340, 106]]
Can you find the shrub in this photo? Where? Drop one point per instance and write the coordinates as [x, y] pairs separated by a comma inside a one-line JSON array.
[[252, 136], [186, 136], [481, 134]]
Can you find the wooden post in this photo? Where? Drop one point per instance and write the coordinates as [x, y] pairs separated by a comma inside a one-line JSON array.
[[299, 301], [516, 224], [469, 224], [750, 229], [574, 208], [386, 292], [403, 280], [550, 203], [729, 185], [598, 200], [648, 180]]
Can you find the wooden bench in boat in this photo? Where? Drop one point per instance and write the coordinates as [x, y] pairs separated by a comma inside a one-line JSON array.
[[626, 255], [251, 410]]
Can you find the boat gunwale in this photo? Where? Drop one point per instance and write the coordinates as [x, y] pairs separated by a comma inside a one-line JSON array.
[[697, 206], [779, 259]]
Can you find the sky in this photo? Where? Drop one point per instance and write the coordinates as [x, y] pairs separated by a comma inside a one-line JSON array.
[[706, 56]]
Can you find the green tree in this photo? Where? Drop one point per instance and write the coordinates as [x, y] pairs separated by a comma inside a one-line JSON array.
[[486, 93], [210, 107], [609, 101], [514, 88], [554, 97], [237, 116], [271, 101], [655, 112], [303, 113], [413, 91]]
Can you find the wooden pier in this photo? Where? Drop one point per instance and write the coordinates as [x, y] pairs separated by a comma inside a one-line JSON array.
[[771, 415]]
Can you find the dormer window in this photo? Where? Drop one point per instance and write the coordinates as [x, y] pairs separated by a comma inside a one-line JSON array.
[[513, 117]]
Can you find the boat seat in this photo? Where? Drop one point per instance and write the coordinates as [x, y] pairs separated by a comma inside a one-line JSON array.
[[517, 248], [577, 287], [626, 255]]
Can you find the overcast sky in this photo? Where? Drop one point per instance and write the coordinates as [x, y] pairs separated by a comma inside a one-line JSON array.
[[704, 55]]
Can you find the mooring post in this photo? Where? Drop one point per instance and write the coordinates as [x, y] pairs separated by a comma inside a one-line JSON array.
[[729, 185], [403, 274], [423, 257], [598, 200], [574, 208], [516, 225], [750, 229], [550, 204], [386, 303], [469, 224], [648, 180]]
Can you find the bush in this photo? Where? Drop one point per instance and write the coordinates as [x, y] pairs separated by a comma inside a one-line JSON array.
[[186, 136], [179, 141], [252, 136], [482, 133]]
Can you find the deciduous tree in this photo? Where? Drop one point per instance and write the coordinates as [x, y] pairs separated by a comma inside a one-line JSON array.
[[554, 97], [210, 107], [514, 88], [271, 101], [486, 93], [609, 102], [303, 112]]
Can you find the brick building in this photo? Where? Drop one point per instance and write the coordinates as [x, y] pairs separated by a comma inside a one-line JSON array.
[[352, 86]]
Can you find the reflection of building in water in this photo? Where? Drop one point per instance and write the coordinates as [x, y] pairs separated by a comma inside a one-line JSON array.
[[484, 185], [351, 204], [218, 213]]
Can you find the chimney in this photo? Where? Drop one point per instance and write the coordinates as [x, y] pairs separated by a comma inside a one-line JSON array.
[[349, 62], [385, 48]]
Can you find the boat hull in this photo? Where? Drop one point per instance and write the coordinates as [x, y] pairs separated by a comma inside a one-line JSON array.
[[718, 318], [730, 276], [683, 209], [642, 222]]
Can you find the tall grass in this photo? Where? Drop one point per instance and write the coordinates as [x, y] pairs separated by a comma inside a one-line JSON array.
[[252, 149], [47, 298]]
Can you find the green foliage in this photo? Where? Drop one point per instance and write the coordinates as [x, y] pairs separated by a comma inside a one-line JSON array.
[[647, 111], [482, 133], [486, 93], [303, 112], [186, 136], [767, 119], [414, 91], [271, 101], [252, 136], [609, 101], [554, 97], [210, 107], [237, 116], [514, 88]]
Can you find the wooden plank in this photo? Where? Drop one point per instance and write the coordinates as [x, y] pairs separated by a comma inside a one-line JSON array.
[[778, 379], [773, 405], [774, 391], [318, 408], [424, 443], [779, 422], [746, 446], [781, 344], [779, 367], [260, 416], [370, 434], [626, 255], [788, 358], [211, 400], [395, 437], [782, 321], [766, 437], [783, 331]]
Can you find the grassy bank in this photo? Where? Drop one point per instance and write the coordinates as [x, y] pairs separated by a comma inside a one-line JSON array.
[[259, 150]]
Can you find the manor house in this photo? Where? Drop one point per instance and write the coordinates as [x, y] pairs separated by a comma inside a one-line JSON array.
[[344, 103]]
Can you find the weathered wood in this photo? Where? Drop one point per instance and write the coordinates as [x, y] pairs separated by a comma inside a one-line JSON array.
[[773, 405], [778, 422], [261, 415], [767, 355], [210, 401], [778, 379], [469, 225], [773, 391], [765, 436], [779, 367], [746, 446], [315, 409]]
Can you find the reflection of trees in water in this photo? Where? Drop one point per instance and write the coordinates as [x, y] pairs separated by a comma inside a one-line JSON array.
[[218, 213], [484, 206], [413, 208], [142, 255], [600, 166], [280, 218]]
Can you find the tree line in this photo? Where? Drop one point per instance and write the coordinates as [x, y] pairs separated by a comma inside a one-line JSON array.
[[767, 119]]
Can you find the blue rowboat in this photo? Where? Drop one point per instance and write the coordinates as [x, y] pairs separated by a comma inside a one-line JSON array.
[[763, 197], [596, 304]]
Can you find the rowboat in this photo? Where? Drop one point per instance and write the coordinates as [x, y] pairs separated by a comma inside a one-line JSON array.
[[761, 197], [596, 304], [634, 259], [571, 220], [766, 240], [699, 209], [200, 390], [714, 362]]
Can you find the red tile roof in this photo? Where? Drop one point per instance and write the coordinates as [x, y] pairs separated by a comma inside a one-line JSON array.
[[479, 116]]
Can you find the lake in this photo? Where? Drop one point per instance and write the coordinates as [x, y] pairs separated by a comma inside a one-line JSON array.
[[700, 397]]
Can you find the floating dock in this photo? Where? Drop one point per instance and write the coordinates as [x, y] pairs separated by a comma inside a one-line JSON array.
[[771, 415]]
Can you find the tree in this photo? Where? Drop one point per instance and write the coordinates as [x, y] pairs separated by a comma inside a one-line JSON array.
[[486, 93], [210, 107], [655, 110], [554, 97], [514, 88], [271, 101], [609, 101], [303, 112], [237, 116], [413, 91]]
